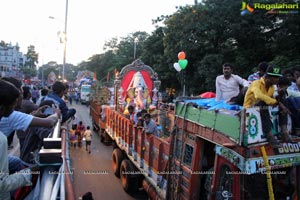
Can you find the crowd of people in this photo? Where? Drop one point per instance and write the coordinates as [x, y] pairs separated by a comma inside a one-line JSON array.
[[266, 87], [32, 118], [78, 132], [142, 118]]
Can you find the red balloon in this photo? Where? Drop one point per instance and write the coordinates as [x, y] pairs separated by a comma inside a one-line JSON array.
[[208, 95], [181, 55]]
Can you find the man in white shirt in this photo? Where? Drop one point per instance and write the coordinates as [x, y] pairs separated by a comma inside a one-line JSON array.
[[228, 84]]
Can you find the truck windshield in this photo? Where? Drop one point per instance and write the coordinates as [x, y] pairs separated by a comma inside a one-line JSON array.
[[85, 89]]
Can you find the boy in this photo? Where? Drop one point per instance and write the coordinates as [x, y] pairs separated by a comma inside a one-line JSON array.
[[88, 138]]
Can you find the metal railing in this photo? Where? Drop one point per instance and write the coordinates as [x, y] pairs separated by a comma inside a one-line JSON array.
[[55, 179]]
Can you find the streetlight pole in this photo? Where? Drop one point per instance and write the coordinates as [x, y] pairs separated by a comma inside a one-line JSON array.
[[65, 42], [134, 48]]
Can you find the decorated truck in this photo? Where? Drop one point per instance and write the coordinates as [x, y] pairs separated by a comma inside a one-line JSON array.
[[202, 153]]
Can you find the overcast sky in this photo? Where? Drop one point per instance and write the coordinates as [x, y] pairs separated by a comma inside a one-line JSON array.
[[90, 24]]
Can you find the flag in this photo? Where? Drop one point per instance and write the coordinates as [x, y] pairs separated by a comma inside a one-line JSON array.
[[95, 76], [107, 77]]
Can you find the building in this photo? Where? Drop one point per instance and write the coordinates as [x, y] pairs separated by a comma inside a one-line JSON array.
[[11, 60]]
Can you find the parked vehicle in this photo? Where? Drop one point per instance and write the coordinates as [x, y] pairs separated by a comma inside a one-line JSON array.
[[207, 155], [85, 91]]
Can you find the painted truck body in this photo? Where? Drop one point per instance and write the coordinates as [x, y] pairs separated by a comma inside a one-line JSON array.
[[208, 155]]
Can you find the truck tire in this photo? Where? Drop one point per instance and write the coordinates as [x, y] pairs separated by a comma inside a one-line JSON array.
[[128, 180], [117, 157]]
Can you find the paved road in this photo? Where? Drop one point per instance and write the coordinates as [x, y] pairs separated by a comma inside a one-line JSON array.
[[93, 172]]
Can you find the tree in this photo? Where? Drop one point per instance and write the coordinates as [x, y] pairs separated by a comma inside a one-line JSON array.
[[32, 57], [210, 33], [3, 43]]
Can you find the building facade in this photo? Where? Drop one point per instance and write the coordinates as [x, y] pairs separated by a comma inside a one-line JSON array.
[[11, 60]]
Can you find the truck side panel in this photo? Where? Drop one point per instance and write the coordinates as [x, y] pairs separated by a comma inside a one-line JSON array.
[[148, 153]]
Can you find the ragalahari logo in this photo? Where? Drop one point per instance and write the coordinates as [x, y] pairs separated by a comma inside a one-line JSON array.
[[246, 8], [270, 8]]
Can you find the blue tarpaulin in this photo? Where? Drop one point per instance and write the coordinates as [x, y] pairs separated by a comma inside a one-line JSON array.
[[212, 104]]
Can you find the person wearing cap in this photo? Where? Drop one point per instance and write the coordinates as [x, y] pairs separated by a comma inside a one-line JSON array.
[[228, 84], [260, 93]]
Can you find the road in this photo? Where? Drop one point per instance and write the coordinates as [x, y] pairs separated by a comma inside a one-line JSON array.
[[93, 172]]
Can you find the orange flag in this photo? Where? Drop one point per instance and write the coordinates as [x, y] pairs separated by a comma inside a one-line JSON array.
[[95, 76]]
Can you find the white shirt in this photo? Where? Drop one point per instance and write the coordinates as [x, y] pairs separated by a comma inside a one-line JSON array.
[[15, 121], [228, 88], [290, 93], [10, 182]]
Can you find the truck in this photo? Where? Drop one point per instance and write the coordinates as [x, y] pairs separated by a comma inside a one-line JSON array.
[[202, 153], [85, 90]]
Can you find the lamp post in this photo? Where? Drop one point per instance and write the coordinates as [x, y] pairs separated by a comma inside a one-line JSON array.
[[65, 42], [64, 39], [134, 48]]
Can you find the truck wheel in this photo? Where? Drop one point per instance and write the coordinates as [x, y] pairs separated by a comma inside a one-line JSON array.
[[117, 158], [128, 180]]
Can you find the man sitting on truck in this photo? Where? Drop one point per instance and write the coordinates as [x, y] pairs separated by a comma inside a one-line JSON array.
[[228, 84], [150, 126], [260, 93], [291, 99], [131, 114]]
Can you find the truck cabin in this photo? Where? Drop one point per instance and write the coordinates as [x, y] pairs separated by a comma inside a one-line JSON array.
[[221, 158]]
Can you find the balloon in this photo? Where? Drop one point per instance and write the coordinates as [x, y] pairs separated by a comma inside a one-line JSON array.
[[208, 95], [181, 55], [177, 67], [183, 63]]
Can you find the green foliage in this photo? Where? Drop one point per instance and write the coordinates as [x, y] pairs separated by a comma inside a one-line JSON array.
[[70, 71], [32, 57], [210, 33], [3, 43]]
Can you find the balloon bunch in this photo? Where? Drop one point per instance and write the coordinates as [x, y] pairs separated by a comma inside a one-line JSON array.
[[182, 62]]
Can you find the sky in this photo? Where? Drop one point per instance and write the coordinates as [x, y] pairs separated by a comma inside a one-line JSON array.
[[89, 24]]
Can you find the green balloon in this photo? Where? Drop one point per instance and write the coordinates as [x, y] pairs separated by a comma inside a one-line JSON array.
[[183, 63]]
